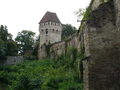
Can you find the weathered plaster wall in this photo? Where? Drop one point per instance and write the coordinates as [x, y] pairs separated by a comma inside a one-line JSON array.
[[42, 52], [49, 32], [53, 32], [95, 3], [101, 40], [117, 11]]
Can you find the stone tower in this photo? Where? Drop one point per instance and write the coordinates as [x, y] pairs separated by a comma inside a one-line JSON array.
[[50, 28]]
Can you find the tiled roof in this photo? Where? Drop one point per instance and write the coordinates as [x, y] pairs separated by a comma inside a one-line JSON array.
[[49, 16]]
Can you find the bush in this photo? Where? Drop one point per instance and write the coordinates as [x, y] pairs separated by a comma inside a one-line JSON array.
[[59, 74]]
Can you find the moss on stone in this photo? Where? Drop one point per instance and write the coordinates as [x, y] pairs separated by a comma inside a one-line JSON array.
[[101, 15], [86, 16], [101, 1]]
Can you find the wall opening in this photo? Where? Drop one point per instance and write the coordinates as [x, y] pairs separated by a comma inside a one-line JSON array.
[[46, 31], [53, 30]]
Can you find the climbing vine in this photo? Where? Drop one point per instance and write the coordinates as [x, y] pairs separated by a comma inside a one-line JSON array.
[[87, 14], [85, 18], [80, 67], [76, 60], [66, 46], [47, 49]]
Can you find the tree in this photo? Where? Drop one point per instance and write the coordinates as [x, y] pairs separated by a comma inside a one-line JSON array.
[[25, 41], [80, 13], [67, 30], [2, 49], [8, 47], [12, 49], [36, 46], [3, 33]]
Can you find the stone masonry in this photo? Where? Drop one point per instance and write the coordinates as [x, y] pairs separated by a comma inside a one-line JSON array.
[[101, 40], [11, 60], [50, 29]]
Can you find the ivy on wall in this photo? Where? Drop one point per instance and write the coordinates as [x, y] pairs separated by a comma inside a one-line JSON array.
[[47, 49], [85, 17], [66, 46], [87, 13]]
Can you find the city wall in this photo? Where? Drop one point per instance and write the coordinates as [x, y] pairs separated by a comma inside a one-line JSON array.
[[101, 39]]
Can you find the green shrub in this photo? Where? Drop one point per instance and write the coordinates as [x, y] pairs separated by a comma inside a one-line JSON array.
[[59, 74]]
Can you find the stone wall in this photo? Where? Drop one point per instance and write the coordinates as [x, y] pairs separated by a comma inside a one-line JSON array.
[[117, 11], [53, 33], [11, 60], [64, 46], [60, 47], [101, 40]]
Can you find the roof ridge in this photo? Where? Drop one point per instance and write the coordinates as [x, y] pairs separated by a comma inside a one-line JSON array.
[[50, 16]]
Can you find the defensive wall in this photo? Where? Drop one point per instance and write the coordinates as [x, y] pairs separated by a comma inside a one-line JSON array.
[[11, 60], [101, 39]]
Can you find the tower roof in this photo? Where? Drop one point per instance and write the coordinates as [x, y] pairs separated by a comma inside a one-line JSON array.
[[49, 16]]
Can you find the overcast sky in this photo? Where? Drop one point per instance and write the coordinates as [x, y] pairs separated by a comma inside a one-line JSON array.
[[20, 15]]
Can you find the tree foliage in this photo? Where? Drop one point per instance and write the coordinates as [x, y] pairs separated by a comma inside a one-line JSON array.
[[8, 47], [11, 48], [80, 13], [2, 49], [25, 41], [59, 74], [67, 30], [3, 41], [36, 47]]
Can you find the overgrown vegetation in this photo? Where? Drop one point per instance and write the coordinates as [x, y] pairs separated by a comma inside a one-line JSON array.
[[67, 30], [86, 13], [85, 17], [25, 44], [25, 41], [60, 74], [47, 49], [8, 47]]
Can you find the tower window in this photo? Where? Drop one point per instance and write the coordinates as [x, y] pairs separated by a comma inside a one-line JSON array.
[[42, 30], [53, 30], [46, 31]]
